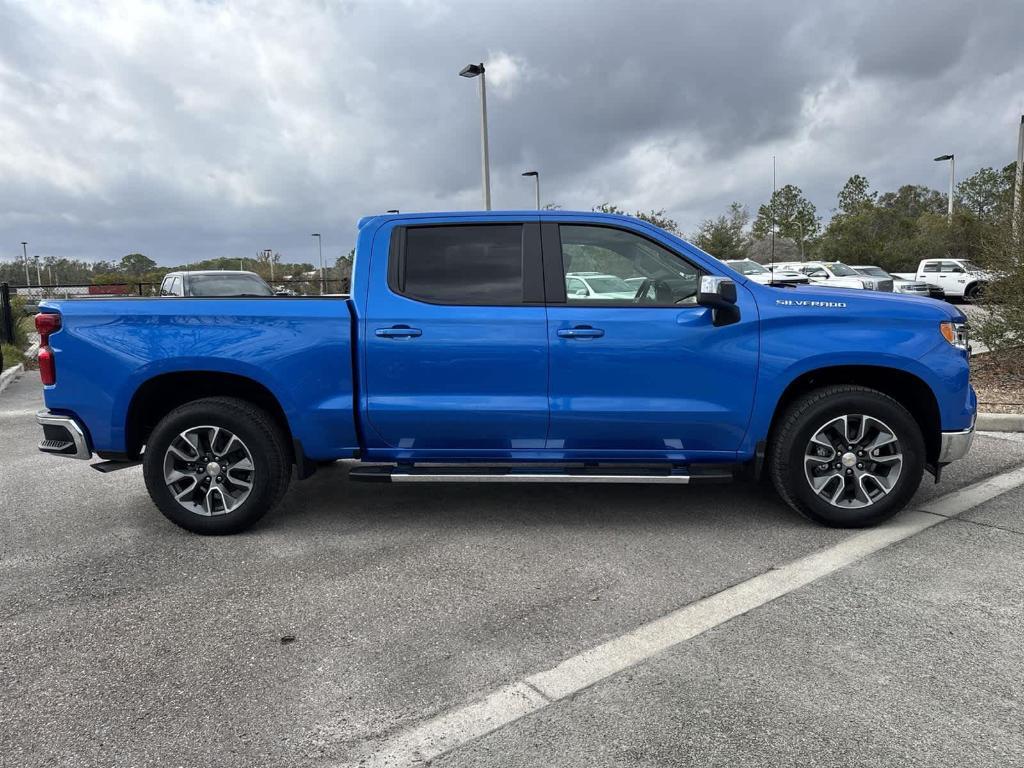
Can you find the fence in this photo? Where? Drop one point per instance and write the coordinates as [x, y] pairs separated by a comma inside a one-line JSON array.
[[7, 319], [294, 287]]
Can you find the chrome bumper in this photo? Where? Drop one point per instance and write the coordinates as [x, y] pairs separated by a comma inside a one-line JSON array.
[[63, 436], [955, 445]]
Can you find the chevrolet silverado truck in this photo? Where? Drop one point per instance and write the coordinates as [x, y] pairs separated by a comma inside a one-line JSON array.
[[461, 357]]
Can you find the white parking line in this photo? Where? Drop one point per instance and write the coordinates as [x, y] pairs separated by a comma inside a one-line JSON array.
[[444, 733]]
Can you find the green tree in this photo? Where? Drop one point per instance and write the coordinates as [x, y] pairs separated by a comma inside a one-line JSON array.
[[657, 218], [725, 237], [987, 193], [136, 264], [793, 214], [856, 195]]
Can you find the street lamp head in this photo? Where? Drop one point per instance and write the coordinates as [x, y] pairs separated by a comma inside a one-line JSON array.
[[943, 157], [531, 173], [315, 234], [472, 70]]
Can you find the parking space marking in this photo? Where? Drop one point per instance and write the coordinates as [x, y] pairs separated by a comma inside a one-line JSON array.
[[450, 730]]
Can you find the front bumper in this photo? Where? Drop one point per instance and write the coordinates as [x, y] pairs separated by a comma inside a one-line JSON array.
[[63, 435], [955, 445]]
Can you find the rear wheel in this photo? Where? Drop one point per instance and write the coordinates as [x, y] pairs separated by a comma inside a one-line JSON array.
[[847, 456], [217, 465]]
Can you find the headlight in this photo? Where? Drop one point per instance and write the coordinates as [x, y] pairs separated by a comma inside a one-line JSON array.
[[954, 333]]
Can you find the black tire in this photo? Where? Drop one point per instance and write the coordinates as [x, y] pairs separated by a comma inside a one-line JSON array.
[[801, 422], [260, 436], [973, 292]]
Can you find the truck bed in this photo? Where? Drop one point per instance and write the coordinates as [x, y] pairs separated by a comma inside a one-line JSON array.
[[298, 348]]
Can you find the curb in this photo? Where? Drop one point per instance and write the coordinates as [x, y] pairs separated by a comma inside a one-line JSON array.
[[1000, 422], [10, 375]]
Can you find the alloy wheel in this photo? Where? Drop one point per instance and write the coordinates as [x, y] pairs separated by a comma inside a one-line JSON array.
[[208, 470], [853, 461]]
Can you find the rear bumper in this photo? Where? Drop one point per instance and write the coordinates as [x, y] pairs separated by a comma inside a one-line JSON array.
[[955, 445], [63, 435]]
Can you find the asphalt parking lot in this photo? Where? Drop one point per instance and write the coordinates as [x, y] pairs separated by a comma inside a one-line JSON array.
[[125, 641]]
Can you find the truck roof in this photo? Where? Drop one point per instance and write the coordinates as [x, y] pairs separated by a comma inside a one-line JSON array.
[[511, 214], [211, 272]]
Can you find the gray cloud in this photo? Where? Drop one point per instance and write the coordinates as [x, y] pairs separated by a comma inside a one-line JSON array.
[[189, 130]]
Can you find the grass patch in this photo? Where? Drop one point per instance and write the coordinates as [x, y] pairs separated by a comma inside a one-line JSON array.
[[12, 356]]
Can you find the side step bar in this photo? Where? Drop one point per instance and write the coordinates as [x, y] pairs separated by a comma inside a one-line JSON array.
[[474, 474]]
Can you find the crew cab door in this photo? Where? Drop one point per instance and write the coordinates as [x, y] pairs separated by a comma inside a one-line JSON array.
[[455, 338], [648, 376]]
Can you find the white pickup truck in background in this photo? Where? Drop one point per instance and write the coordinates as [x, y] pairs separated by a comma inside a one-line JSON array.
[[959, 278], [835, 274]]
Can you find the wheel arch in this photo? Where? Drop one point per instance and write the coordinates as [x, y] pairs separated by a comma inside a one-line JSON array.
[[909, 390], [159, 395]]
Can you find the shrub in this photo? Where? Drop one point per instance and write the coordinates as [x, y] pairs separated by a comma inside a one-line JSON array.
[[1002, 254]]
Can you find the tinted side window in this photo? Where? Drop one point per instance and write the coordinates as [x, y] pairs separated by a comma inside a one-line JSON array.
[[476, 264], [625, 269], [933, 267], [176, 287], [951, 266]]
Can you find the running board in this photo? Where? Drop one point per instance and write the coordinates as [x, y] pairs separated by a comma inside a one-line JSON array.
[[472, 474]]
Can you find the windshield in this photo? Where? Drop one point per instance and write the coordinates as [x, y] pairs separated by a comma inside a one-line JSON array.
[[841, 270], [227, 285], [609, 284], [747, 267], [874, 271]]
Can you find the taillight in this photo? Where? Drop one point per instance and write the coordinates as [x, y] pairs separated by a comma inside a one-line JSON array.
[[47, 323]]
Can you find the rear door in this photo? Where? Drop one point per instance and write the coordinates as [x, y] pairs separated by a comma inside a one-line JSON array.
[[647, 376], [455, 339]]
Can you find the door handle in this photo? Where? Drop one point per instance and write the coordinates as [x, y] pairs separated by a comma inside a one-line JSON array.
[[581, 332], [398, 332]]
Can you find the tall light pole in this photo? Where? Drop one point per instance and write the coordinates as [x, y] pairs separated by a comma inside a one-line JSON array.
[[39, 274], [952, 173], [24, 258], [268, 253], [536, 178], [477, 70], [1018, 182], [320, 248]]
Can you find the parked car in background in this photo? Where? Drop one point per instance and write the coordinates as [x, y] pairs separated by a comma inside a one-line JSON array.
[[835, 274], [761, 274], [596, 285], [214, 282], [959, 278], [902, 284]]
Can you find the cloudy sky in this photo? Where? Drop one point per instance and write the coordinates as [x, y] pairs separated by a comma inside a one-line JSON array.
[[187, 130]]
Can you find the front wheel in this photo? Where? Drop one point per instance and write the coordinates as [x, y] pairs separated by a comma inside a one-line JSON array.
[[847, 456], [973, 292], [217, 465]]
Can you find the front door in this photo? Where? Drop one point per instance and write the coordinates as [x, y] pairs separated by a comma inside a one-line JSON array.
[[637, 367], [455, 340]]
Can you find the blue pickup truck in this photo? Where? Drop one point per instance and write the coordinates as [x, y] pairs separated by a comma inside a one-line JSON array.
[[468, 352]]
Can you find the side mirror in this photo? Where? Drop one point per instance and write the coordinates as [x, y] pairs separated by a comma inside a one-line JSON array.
[[719, 294], [716, 292]]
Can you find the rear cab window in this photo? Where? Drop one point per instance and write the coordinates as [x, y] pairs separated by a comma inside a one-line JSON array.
[[467, 264]]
